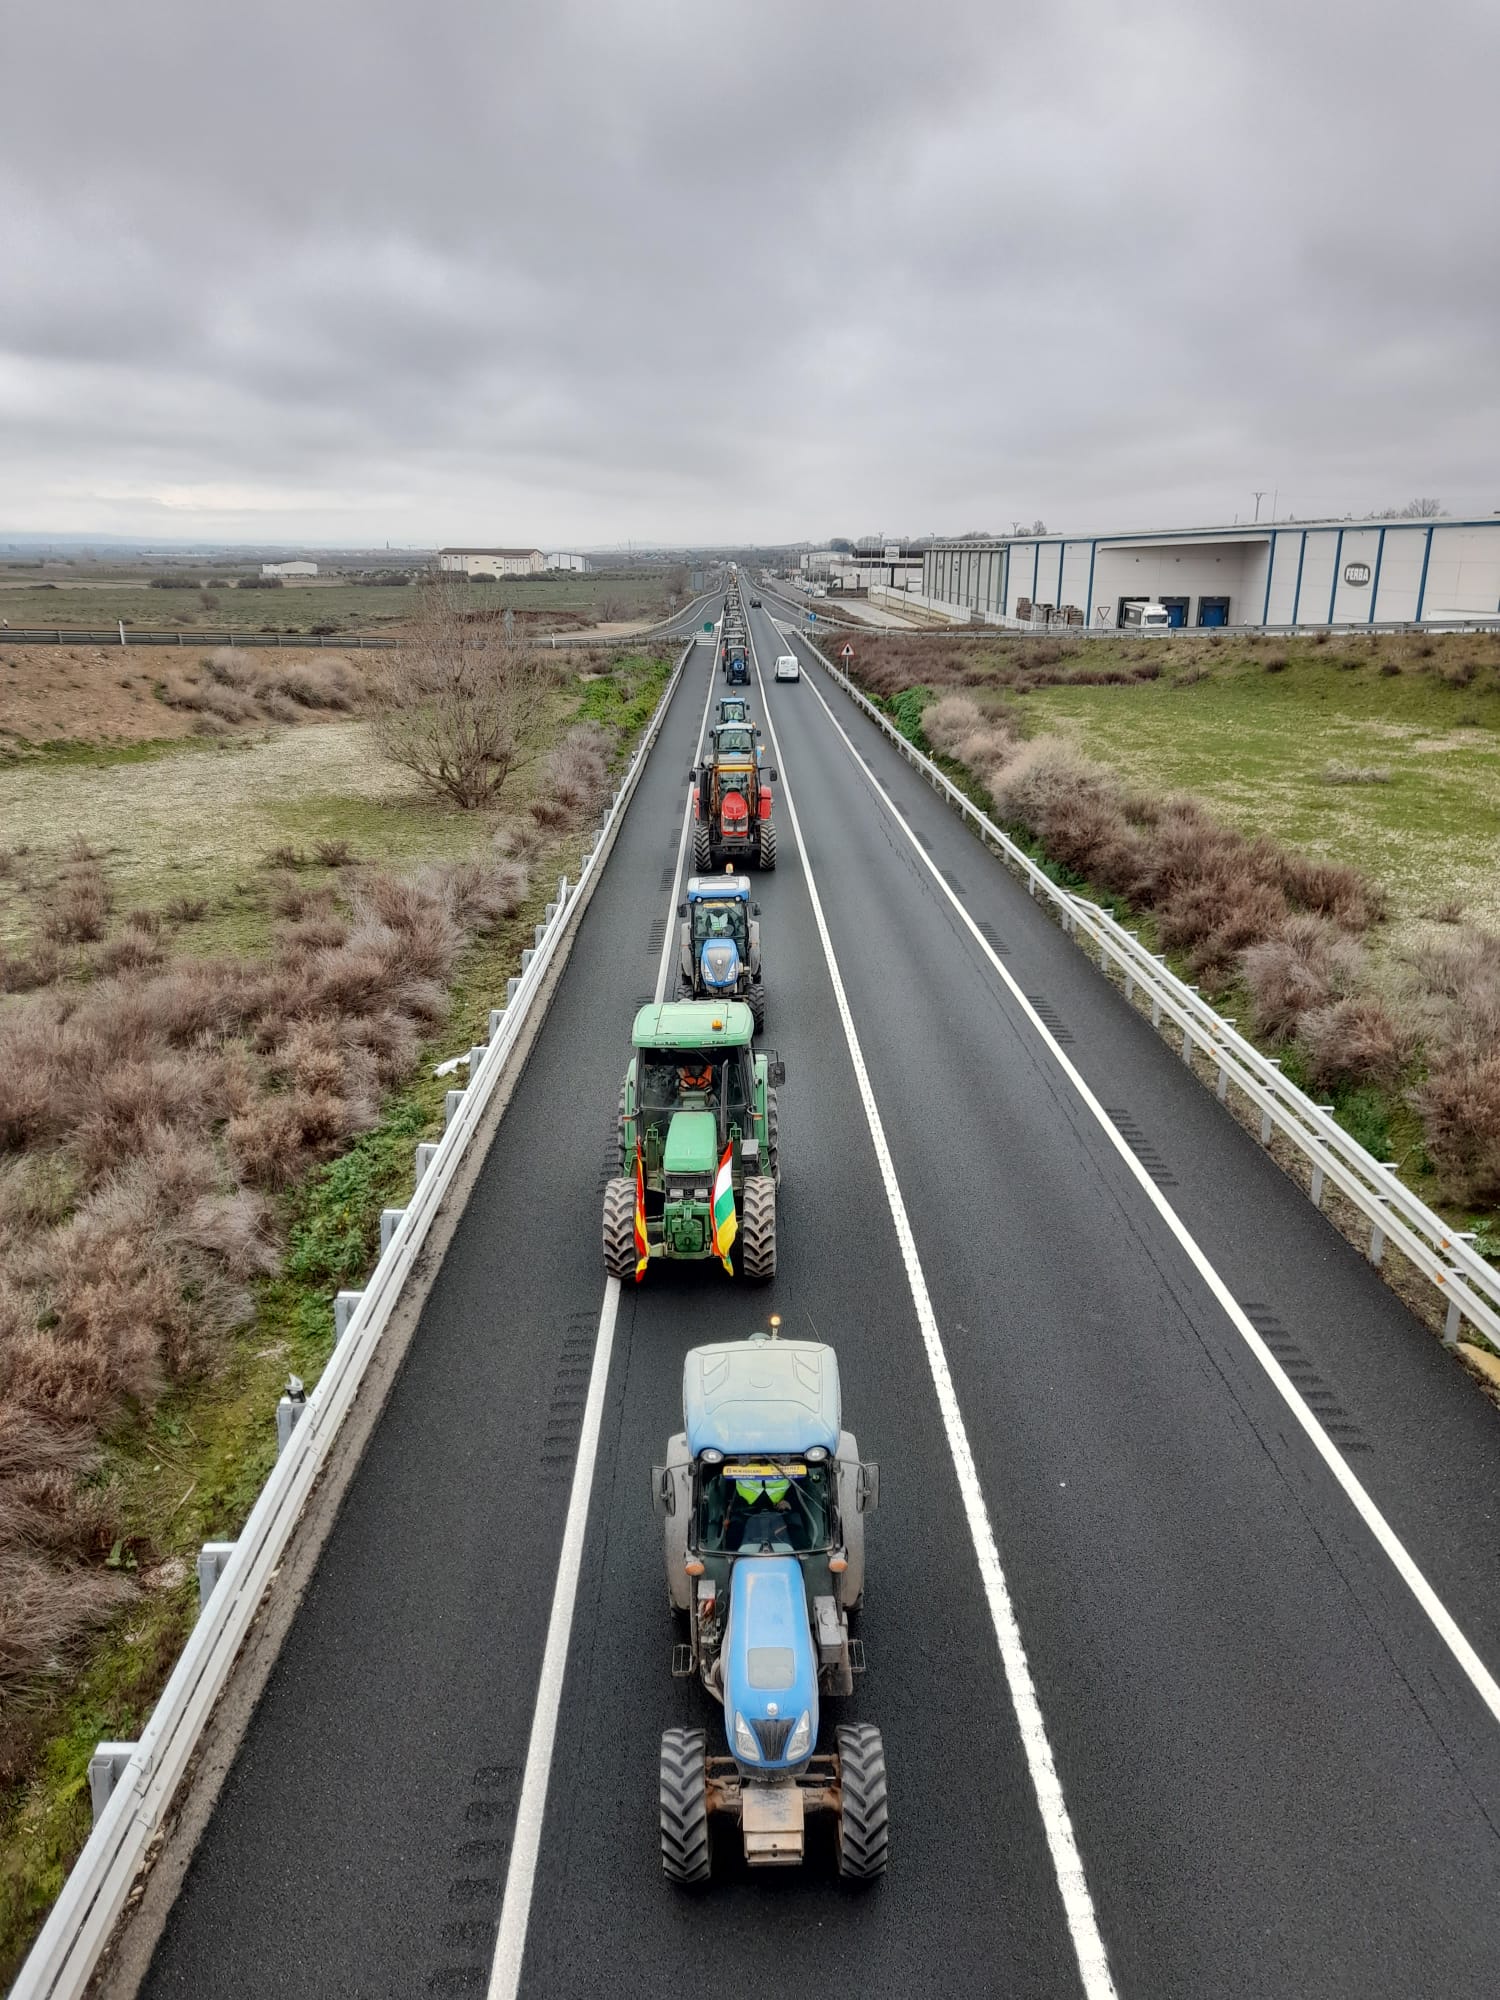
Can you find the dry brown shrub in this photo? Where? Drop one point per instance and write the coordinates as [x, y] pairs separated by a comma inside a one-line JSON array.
[[1355, 774], [279, 707], [187, 909], [521, 840], [323, 931], [39, 967], [227, 704], [233, 669], [297, 900], [334, 853], [132, 951], [79, 908], [1460, 1108], [1331, 889], [1354, 1040], [1309, 964], [482, 894]]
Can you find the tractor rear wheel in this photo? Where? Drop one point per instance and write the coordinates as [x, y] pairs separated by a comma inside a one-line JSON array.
[[758, 1228], [864, 1835], [684, 1806], [757, 998], [702, 851], [619, 1227], [766, 858], [773, 1137]]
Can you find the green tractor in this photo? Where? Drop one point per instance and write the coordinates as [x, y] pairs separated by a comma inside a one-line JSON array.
[[734, 708], [698, 1111]]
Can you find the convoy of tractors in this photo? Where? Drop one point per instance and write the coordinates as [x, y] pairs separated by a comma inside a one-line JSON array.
[[763, 1493]]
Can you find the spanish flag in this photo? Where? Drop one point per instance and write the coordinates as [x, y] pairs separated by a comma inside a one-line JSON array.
[[642, 1241], [725, 1221]]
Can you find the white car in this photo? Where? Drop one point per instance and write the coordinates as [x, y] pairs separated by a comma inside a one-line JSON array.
[[787, 668]]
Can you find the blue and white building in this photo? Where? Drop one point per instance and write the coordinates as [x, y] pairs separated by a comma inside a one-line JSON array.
[[1347, 573]]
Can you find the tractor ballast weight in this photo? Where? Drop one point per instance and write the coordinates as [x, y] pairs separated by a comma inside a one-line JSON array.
[[762, 1499], [732, 821], [697, 1098], [718, 944]]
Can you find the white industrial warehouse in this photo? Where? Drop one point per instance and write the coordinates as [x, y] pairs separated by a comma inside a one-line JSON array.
[[1292, 573]]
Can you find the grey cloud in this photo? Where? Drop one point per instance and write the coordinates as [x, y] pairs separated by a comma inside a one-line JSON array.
[[584, 271]]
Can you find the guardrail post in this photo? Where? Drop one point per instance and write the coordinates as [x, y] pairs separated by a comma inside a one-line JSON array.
[[426, 1154], [476, 1057], [1187, 1046], [211, 1560], [451, 1103], [390, 1222], [1451, 1323], [106, 1768], [345, 1305], [1377, 1237], [289, 1412], [497, 1021], [510, 989], [1265, 1116], [526, 957]]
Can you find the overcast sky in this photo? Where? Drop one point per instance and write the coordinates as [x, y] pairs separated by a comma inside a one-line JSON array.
[[570, 272]]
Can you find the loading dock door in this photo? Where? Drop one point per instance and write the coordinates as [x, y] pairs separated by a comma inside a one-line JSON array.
[[1177, 611], [1213, 610]]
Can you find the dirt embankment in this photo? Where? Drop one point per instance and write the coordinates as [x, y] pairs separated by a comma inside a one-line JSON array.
[[113, 695]]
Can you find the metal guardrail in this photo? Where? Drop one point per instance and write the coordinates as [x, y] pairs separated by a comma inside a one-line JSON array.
[[72, 635], [1467, 1283], [146, 1774]]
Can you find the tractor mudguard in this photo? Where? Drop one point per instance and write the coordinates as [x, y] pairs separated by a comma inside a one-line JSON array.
[[851, 1585], [679, 1472]]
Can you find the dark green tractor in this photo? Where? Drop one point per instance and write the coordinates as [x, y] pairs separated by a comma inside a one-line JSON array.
[[700, 1103]]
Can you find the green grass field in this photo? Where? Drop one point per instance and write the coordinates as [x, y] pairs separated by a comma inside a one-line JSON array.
[[1255, 745], [344, 607]]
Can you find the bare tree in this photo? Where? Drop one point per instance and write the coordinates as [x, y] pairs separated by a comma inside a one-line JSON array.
[[1422, 510], [611, 609], [462, 704]]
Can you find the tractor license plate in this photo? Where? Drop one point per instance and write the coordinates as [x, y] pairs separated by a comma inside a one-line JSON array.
[[771, 1822]]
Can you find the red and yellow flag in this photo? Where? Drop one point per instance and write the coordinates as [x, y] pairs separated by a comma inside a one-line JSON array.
[[725, 1221], [642, 1241]]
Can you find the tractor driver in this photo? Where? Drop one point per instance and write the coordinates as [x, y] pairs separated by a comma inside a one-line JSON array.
[[761, 1505], [696, 1075]]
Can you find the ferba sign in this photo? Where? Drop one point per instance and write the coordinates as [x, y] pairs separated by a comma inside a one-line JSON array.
[[1357, 573]]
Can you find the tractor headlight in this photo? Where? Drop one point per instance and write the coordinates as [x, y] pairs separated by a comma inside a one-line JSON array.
[[800, 1741], [745, 1744]]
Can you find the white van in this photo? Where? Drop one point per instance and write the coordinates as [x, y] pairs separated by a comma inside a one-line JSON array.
[[1143, 616], [787, 668]]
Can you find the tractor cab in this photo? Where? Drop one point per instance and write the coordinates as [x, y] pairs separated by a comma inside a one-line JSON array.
[[734, 708], [763, 1498]]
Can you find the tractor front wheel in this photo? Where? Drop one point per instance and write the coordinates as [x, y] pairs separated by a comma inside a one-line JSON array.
[[773, 1137], [702, 851], [864, 1835], [684, 1806], [758, 1228], [619, 1227], [766, 858]]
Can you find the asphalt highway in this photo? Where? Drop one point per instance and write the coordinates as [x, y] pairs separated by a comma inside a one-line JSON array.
[[1279, 1779]]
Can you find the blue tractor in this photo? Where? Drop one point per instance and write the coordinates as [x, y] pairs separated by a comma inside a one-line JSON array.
[[718, 951], [763, 1498]]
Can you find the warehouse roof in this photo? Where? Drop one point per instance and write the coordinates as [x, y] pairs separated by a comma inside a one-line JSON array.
[[489, 552]]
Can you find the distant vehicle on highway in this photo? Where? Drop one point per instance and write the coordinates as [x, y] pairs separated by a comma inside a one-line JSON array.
[[1141, 615], [755, 604], [787, 668]]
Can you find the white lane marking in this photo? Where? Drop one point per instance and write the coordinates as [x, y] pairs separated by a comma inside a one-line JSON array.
[[520, 1876], [1067, 1863], [1442, 1620]]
